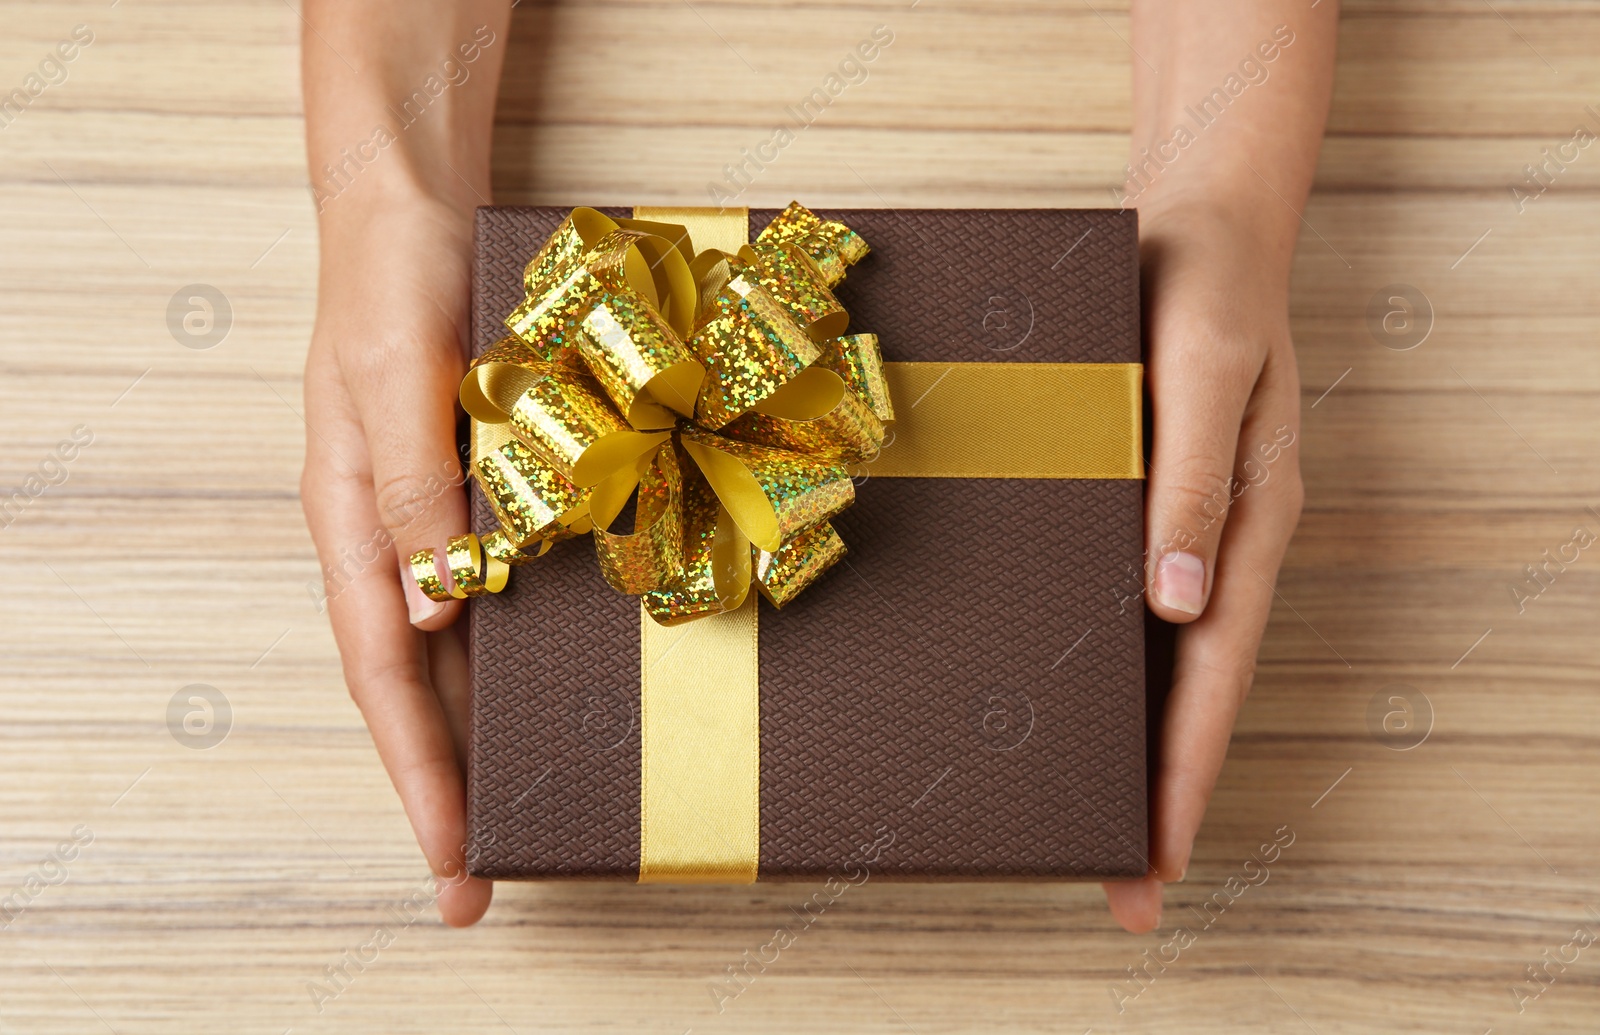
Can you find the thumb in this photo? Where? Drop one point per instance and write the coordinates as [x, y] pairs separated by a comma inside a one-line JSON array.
[[408, 411], [1198, 395]]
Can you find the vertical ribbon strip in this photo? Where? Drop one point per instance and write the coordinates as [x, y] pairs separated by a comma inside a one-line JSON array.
[[699, 704]]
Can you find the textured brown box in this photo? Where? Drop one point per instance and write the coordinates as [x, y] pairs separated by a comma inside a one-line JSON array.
[[971, 679]]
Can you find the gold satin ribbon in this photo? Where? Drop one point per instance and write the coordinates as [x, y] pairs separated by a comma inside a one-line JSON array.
[[700, 750], [1017, 420], [725, 230], [1013, 420], [699, 690]]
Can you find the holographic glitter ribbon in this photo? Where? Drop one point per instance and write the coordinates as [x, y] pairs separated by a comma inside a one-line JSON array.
[[716, 392]]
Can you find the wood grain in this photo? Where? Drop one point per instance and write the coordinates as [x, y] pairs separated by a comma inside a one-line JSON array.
[[221, 883]]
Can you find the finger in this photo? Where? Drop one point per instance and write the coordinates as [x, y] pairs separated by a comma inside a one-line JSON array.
[[1135, 904], [407, 406], [1199, 390], [1216, 655], [385, 665], [385, 660]]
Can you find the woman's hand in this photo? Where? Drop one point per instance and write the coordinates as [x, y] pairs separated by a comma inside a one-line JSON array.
[[1219, 198], [1223, 500], [399, 99], [383, 479]]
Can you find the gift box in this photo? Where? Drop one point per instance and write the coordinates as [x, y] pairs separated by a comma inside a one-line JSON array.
[[963, 696]]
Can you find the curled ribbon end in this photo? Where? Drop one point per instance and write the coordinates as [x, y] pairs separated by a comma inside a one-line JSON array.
[[425, 569], [472, 571]]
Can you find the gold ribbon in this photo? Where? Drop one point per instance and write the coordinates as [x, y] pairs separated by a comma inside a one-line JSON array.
[[700, 750], [1014, 420], [699, 714], [688, 434], [715, 390]]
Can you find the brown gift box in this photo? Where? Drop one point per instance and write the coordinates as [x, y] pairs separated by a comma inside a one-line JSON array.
[[962, 698]]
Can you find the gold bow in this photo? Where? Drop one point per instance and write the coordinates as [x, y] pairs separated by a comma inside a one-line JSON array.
[[716, 391]]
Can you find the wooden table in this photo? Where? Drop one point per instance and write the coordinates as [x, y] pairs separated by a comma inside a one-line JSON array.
[[221, 883]]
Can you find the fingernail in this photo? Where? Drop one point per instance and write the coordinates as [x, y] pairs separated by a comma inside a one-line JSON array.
[[1183, 864], [1181, 582], [417, 602]]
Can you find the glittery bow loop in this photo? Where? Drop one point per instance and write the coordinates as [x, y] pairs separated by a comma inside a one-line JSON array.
[[714, 392]]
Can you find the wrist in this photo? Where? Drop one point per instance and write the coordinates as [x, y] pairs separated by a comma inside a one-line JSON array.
[[1214, 245], [386, 166], [1219, 214]]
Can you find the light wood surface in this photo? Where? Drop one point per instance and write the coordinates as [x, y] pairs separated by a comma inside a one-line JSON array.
[[221, 883]]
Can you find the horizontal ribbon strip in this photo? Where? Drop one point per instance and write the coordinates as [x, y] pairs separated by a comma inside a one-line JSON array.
[[1018, 420], [1013, 420]]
